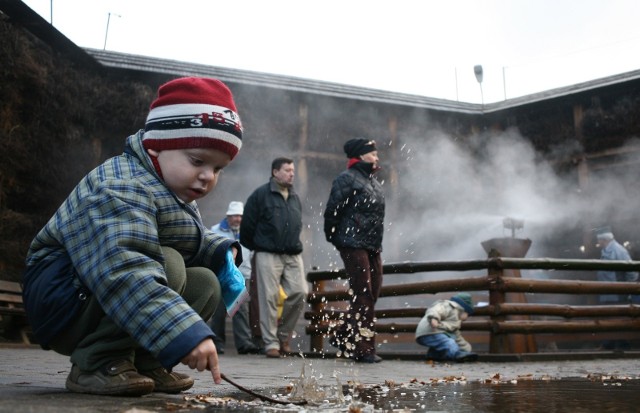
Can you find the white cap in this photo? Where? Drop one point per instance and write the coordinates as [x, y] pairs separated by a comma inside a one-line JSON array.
[[604, 233], [235, 208]]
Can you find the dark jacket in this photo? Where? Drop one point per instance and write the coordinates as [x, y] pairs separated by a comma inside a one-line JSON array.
[[270, 223], [354, 214]]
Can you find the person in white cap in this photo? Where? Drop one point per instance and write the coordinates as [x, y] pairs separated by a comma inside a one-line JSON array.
[[612, 250], [245, 343]]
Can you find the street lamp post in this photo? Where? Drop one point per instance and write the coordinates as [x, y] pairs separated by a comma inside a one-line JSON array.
[[477, 69], [106, 33]]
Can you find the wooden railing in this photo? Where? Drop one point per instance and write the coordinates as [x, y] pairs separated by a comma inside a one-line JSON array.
[[509, 323]]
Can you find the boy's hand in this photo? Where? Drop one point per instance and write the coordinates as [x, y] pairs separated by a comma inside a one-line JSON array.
[[434, 322], [204, 357]]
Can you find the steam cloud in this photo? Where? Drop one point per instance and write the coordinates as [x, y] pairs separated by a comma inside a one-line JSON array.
[[452, 195], [456, 195]]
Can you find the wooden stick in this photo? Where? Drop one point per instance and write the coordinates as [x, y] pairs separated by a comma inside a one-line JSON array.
[[260, 396]]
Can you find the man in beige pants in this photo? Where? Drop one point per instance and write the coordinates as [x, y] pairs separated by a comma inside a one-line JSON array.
[[271, 227]]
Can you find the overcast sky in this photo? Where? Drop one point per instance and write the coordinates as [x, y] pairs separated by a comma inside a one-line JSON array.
[[423, 47]]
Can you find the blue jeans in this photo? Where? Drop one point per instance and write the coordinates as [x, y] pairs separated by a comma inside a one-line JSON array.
[[440, 345]]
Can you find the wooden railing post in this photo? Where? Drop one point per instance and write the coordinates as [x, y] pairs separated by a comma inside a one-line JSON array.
[[498, 342], [317, 340]]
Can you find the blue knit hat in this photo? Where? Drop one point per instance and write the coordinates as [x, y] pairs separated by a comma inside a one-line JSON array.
[[464, 299]]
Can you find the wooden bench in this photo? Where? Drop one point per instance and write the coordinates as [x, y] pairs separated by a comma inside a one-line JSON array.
[[13, 317]]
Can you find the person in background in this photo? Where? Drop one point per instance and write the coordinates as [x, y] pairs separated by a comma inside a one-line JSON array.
[[612, 250], [271, 228], [354, 224], [124, 276], [245, 344], [439, 329]]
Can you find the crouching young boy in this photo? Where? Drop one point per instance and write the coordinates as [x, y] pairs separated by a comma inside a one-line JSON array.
[[125, 275], [439, 329]]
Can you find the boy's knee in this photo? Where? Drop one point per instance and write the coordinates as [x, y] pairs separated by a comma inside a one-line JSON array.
[[175, 270]]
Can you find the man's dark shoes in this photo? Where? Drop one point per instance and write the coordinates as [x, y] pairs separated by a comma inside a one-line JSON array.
[[249, 350], [368, 358], [168, 381], [117, 378]]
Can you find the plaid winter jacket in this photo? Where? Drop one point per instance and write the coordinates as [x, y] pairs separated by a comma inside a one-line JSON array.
[[112, 227]]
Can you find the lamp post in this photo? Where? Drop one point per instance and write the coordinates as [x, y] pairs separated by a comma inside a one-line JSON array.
[[106, 33], [477, 69]]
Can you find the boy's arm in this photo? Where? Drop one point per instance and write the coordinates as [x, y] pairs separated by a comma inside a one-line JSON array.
[[450, 326], [462, 343], [333, 210], [204, 357], [442, 312], [434, 312]]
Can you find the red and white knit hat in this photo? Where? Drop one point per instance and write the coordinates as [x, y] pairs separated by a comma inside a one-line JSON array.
[[192, 112]]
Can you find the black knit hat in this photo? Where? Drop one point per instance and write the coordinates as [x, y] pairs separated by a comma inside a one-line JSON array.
[[359, 146]]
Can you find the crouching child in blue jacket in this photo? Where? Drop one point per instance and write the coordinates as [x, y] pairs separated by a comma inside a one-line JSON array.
[[439, 329], [125, 275]]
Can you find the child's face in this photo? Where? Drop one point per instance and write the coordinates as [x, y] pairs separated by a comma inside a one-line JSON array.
[[191, 173], [464, 315]]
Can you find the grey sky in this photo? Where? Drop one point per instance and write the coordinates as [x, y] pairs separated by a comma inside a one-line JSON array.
[[424, 47]]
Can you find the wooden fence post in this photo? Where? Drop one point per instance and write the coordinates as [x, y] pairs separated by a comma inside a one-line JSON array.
[[317, 340], [498, 342]]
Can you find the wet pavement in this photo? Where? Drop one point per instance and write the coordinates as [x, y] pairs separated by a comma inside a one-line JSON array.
[[32, 380]]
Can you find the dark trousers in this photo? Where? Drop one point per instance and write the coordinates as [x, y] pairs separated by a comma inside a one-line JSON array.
[[254, 305], [364, 269], [242, 336]]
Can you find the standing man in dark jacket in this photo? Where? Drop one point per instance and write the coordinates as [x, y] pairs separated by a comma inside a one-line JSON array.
[[353, 223], [271, 227]]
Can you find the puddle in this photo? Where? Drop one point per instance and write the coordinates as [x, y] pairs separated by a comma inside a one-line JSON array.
[[449, 394], [567, 395]]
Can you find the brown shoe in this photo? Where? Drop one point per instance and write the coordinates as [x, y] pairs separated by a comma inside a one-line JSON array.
[[273, 353], [117, 378], [168, 381], [285, 349]]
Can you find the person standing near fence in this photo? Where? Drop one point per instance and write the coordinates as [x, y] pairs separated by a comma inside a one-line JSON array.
[[354, 224], [612, 250]]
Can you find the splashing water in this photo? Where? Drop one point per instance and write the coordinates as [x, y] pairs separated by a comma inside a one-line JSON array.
[[326, 398]]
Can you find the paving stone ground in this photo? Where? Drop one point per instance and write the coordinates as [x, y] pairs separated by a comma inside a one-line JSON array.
[[32, 380]]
